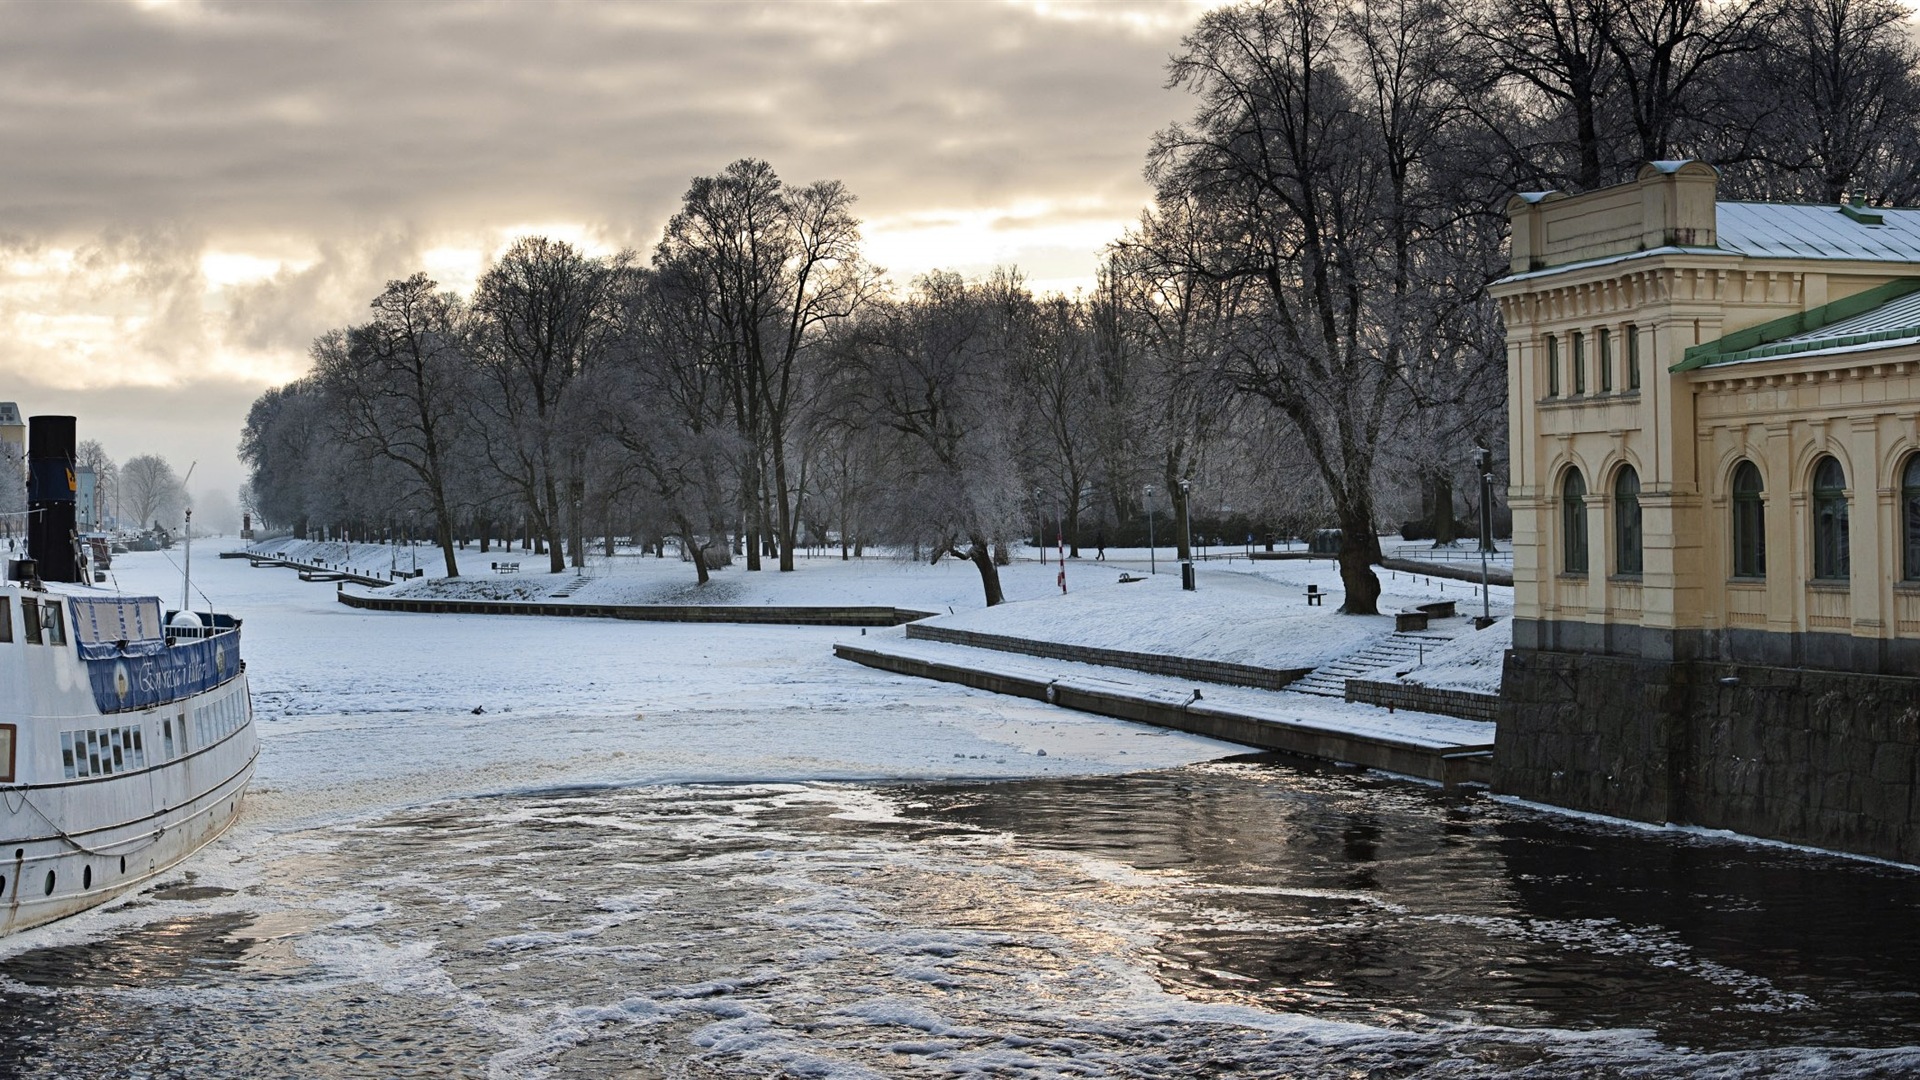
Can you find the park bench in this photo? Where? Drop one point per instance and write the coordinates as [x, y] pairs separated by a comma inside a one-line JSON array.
[[506, 568], [1314, 596], [1439, 609], [1409, 620]]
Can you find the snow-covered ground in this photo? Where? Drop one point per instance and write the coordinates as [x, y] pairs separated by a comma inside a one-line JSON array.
[[1246, 612], [1243, 612], [364, 711]]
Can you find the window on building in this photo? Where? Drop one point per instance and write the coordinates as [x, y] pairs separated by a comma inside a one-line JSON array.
[[1579, 362], [1910, 520], [1626, 521], [1553, 366], [1831, 558], [1749, 523], [1606, 360], [1573, 523], [1633, 356]]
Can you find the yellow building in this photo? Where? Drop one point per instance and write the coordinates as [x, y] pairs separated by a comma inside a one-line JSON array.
[[1715, 423]]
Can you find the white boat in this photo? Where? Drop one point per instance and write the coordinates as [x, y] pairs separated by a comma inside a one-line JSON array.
[[126, 743]]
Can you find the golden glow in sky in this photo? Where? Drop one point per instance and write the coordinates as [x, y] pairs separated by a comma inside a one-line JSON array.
[[195, 191]]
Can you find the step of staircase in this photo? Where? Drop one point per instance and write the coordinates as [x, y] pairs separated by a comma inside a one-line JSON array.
[[1330, 680]]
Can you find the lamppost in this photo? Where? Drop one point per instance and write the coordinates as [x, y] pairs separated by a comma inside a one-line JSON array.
[[1186, 522], [1040, 512], [1153, 555], [1483, 462]]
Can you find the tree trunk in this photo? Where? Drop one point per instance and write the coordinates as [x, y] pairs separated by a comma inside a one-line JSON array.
[[1359, 550], [556, 554], [1183, 549], [444, 528], [1440, 494], [787, 526], [982, 556]]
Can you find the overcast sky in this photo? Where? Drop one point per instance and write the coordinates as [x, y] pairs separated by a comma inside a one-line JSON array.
[[190, 192]]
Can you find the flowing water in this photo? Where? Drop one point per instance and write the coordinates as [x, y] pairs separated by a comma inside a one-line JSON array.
[[1242, 918]]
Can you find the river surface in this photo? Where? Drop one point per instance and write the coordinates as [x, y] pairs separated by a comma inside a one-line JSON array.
[[576, 848], [1244, 917]]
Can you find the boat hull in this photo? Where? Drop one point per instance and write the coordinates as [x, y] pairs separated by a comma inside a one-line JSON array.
[[50, 873], [103, 799]]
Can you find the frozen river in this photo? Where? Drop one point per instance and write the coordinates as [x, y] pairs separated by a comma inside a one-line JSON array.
[[683, 851]]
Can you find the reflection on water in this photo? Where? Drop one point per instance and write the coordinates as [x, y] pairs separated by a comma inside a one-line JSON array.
[[1241, 918]]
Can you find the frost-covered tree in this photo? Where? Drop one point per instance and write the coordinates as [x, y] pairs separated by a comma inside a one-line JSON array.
[[151, 492]]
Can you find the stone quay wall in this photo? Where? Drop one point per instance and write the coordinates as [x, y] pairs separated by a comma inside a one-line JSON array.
[[1826, 758], [1179, 667]]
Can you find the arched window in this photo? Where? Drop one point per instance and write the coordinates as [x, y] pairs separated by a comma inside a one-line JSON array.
[[1573, 523], [1626, 521], [1830, 554], [1749, 523], [1910, 520]]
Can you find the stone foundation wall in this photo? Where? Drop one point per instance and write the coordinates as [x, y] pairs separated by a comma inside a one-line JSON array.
[[1826, 758]]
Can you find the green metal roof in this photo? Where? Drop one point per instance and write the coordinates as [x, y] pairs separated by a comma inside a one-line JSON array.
[[1860, 319]]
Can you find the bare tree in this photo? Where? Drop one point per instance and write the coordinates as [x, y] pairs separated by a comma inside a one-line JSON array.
[[544, 314], [1307, 169], [1825, 111], [398, 386], [773, 267], [930, 378], [151, 491]]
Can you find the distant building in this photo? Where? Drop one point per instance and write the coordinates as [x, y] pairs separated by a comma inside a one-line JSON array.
[[13, 429], [86, 495], [1715, 423]]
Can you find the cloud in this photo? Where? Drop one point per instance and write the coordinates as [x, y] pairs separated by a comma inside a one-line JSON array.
[[194, 190]]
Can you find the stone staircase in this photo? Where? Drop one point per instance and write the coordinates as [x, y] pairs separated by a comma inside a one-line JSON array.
[[579, 582], [1400, 649]]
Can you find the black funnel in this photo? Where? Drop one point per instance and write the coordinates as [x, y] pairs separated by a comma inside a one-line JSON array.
[[50, 497]]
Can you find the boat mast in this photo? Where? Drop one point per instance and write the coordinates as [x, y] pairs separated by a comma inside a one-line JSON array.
[[186, 575]]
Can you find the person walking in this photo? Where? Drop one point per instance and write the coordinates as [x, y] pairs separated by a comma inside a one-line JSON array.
[[1100, 546]]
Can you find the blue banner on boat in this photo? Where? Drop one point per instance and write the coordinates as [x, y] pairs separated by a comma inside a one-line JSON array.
[[126, 683]]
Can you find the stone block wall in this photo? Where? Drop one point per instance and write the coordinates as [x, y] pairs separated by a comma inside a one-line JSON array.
[[1826, 758], [1415, 698]]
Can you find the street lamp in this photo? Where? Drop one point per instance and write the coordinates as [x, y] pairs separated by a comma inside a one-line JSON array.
[[1483, 463], [1186, 520], [1040, 512], [1153, 565]]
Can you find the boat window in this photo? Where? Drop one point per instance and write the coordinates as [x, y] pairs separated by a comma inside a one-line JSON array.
[[6, 620], [6, 759], [53, 626], [30, 619]]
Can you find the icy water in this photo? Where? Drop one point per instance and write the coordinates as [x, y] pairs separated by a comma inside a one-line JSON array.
[[1241, 918]]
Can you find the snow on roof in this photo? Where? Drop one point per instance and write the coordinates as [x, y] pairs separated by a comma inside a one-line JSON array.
[[1785, 231], [1902, 314], [1803, 231]]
